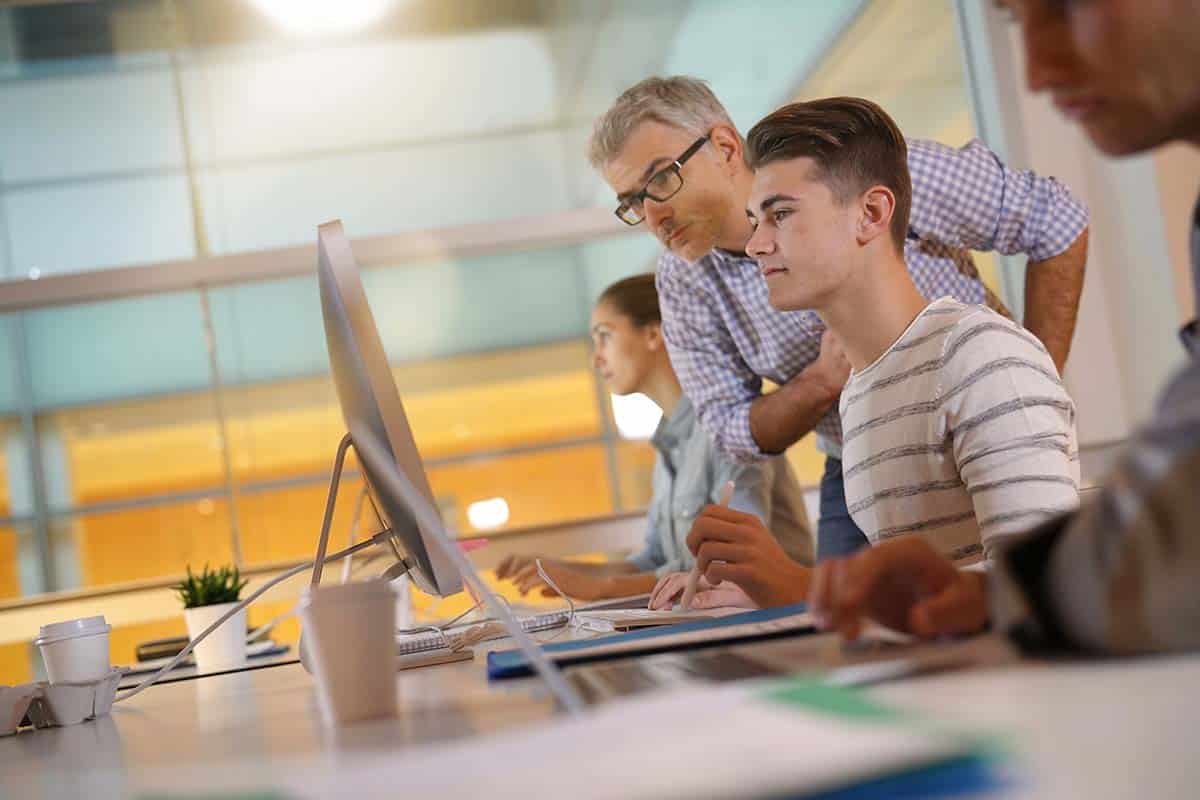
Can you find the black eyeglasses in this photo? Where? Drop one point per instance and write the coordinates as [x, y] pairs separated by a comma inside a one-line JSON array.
[[663, 185]]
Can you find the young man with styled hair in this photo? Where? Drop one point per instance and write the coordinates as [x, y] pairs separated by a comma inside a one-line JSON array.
[[955, 424], [669, 150]]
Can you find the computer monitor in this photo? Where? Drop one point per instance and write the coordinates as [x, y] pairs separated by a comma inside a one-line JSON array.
[[369, 400]]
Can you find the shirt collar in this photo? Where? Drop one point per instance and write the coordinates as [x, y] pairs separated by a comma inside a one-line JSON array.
[[676, 430], [726, 258]]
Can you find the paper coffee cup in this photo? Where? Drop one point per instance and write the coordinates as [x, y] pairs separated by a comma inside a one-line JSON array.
[[350, 636], [75, 651]]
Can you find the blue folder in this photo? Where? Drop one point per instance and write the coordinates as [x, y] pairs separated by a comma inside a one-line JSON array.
[[513, 663], [971, 775]]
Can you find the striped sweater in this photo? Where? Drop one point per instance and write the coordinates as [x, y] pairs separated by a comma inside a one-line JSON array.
[[961, 432]]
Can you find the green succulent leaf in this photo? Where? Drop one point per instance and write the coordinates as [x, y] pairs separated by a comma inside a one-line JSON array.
[[210, 587]]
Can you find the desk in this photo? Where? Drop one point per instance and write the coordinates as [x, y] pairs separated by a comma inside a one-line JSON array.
[[1114, 729]]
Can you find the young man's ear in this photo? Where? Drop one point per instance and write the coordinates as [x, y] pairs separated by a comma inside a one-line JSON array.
[[728, 147], [876, 207]]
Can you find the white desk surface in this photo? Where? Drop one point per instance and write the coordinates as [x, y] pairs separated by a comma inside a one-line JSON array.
[[1114, 729]]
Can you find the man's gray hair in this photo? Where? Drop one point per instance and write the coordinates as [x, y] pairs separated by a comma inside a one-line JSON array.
[[678, 101]]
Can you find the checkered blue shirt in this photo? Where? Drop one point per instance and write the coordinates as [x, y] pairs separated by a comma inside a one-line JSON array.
[[724, 337]]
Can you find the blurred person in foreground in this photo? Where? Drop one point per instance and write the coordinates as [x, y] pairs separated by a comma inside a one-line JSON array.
[[1122, 574]]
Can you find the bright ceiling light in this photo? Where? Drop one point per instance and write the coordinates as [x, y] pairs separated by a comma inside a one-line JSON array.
[[487, 514], [636, 415], [320, 17]]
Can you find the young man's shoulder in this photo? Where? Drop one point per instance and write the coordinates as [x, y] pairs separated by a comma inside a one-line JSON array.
[[979, 338], [989, 332]]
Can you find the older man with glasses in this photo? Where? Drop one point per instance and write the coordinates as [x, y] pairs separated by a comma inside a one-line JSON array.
[[669, 150]]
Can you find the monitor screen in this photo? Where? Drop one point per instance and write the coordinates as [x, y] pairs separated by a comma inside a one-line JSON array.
[[367, 394]]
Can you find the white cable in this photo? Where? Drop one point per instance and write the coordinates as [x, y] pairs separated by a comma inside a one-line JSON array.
[[386, 470], [537, 562], [254, 596], [347, 568], [442, 627]]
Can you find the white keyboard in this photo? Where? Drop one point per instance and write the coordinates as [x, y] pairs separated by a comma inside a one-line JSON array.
[[410, 643]]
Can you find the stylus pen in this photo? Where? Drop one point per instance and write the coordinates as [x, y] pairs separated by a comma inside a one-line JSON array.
[[693, 583]]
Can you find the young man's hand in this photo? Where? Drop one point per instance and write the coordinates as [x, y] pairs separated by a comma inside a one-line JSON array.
[[904, 584], [733, 546], [671, 586]]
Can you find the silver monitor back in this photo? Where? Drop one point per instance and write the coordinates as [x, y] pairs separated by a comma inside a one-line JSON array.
[[369, 400]]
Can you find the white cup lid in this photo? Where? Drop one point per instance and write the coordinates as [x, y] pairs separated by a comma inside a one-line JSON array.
[[346, 592], [72, 629]]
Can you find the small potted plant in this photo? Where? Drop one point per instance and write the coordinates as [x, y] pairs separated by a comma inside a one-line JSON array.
[[206, 597]]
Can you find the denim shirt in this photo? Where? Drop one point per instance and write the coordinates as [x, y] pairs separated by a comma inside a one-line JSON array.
[[688, 474]]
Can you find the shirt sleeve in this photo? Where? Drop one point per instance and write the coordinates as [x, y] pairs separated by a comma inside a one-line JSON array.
[[651, 556], [711, 371], [751, 487], [754, 492], [1121, 575], [751, 494], [1011, 425], [967, 197]]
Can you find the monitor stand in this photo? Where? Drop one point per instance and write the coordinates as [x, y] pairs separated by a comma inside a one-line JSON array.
[[390, 479]]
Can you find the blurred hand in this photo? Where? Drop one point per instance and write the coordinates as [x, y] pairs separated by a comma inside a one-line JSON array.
[[513, 564], [735, 547], [670, 587], [573, 582], [903, 584], [831, 370]]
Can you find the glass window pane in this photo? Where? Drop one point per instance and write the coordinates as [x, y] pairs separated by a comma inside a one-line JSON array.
[[10, 575], [538, 488], [8, 362], [273, 329], [134, 544], [117, 349], [278, 524], [131, 450], [89, 123], [99, 148], [21, 571], [16, 557], [635, 468], [152, 213], [261, 206], [16, 662], [462, 409], [10, 436]]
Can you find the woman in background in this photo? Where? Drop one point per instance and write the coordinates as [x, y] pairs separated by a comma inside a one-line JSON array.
[[631, 356]]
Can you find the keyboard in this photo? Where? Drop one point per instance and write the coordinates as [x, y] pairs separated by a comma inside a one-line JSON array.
[[410, 643]]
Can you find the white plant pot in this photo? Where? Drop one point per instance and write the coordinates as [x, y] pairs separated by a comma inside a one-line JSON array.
[[224, 648]]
